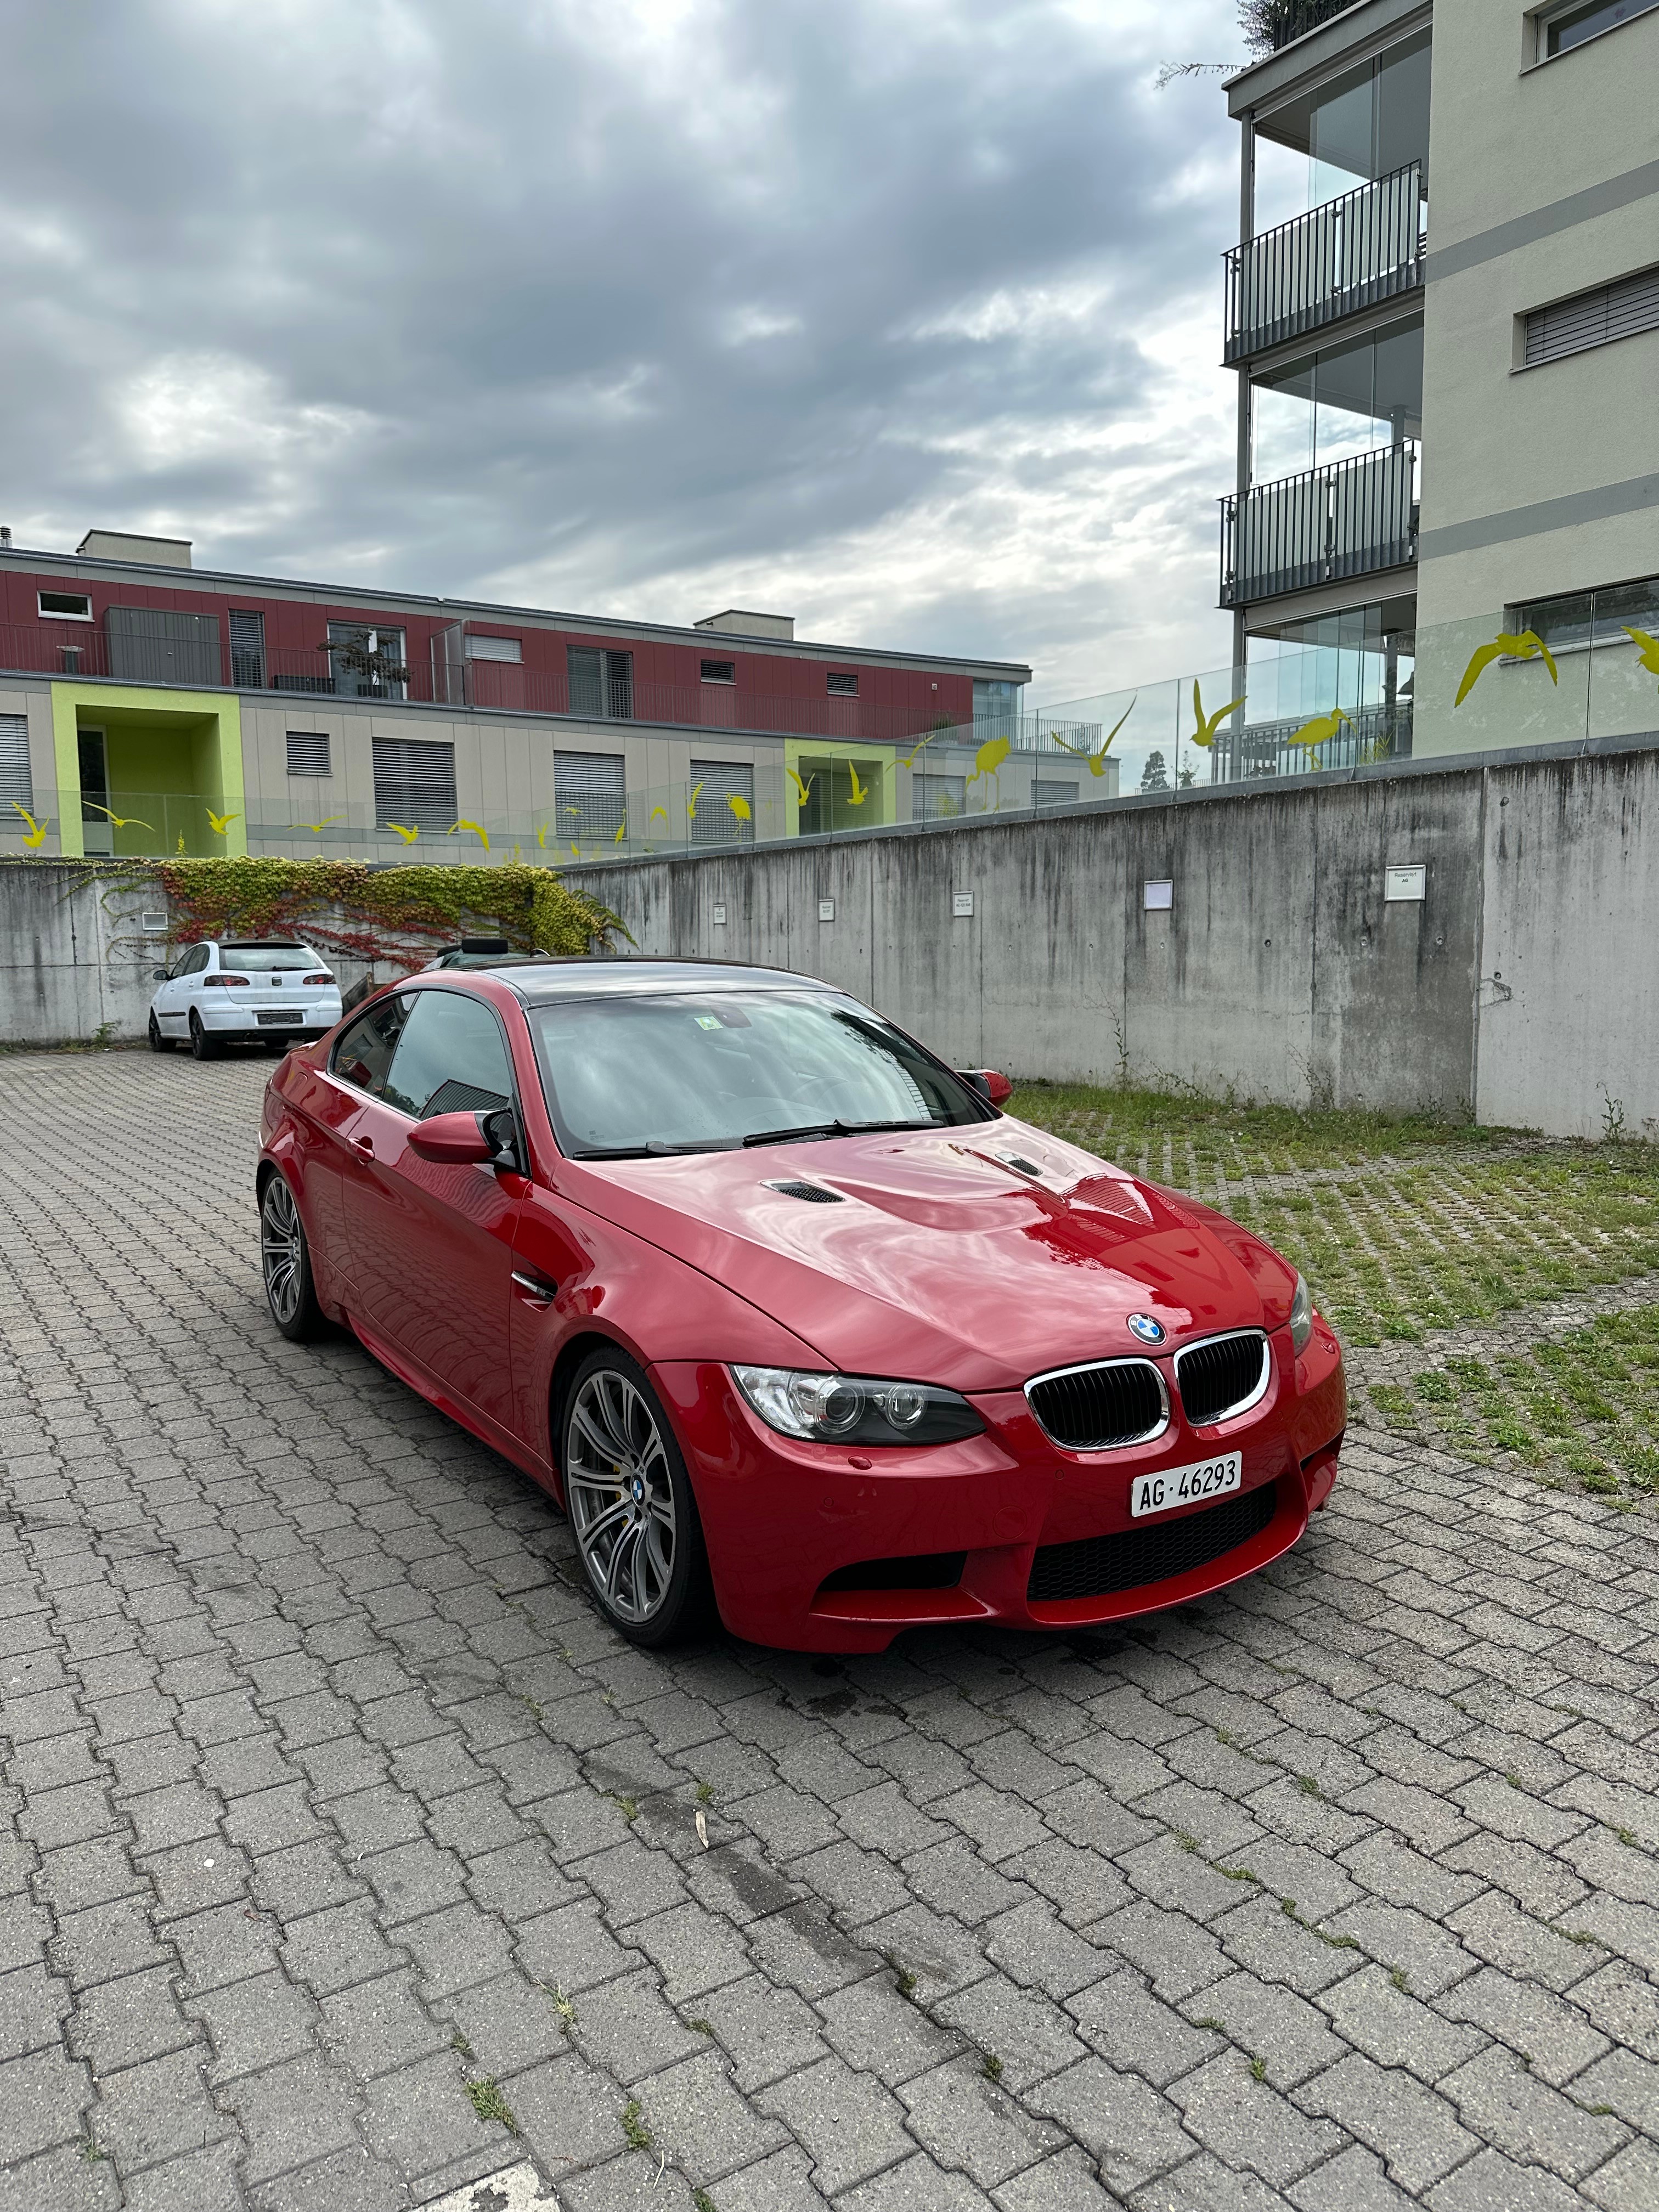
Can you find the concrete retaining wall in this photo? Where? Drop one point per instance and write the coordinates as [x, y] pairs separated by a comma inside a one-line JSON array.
[[1525, 983]]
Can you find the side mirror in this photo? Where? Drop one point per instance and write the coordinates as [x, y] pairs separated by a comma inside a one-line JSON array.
[[159, 975], [990, 1084], [455, 1140]]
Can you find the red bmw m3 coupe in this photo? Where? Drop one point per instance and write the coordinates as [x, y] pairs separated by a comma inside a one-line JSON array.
[[793, 1322]]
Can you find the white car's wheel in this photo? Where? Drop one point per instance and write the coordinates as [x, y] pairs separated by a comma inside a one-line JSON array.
[[157, 1042]]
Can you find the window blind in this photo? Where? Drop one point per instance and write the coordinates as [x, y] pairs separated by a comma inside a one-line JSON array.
[[15, 781], [415, 782], [590, 793], [716, 821], [308, 753], [1594, 319]]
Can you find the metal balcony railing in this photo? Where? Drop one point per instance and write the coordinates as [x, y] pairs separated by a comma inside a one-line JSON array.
[[1263, 749], [1345, 518], [1353, 253]]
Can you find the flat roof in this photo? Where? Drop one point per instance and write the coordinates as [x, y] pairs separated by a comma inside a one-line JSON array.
[[369, 595]]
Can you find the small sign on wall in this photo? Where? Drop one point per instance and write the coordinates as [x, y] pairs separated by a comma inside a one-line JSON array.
[[1158, 897], [961, 902], [1405, 883], [719, 914], [826, 909]]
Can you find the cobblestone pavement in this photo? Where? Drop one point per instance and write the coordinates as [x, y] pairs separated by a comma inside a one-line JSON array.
[[347, 1858]]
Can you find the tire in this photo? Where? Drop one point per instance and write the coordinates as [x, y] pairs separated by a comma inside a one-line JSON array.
[[203, 1046], [285, 1264], [157, 1042], [275, 1044], [638, 1533]]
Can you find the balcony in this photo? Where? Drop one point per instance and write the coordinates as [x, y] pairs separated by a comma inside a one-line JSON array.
[[1354, 252], [1346, 519]]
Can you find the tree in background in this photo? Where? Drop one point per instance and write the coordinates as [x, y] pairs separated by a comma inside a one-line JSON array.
[[1154, 776]]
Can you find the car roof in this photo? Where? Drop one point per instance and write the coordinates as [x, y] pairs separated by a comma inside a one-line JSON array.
[[580, 976]]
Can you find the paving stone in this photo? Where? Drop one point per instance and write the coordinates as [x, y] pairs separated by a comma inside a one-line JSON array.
[[1416, 2133], [970, 2123], [1489, 2183], [1500, 2101], [848, 2123], [1246, 2122], [1127, 2127], [42, 2096]]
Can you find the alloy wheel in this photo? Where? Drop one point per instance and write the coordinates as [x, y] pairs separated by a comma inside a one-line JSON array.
[[281, 1250], [622, 1498]]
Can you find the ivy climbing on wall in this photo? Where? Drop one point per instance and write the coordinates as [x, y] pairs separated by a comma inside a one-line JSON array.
[[398, 916]]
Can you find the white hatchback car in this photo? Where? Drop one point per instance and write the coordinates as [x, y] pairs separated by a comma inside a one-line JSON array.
[[220, 992]]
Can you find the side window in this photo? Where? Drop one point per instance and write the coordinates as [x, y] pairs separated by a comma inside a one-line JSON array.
[[364, 1054], [198, 961], [450, 1059]]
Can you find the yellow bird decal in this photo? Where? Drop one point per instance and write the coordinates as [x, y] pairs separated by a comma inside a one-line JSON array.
[[408, 832], [621, 831], [541, 836], [1647, 647], [801, 789], [656, 811], [121, 821], [691, 803], [909, 760], [1321, 729], [180, 845], [1205, 732], [35, 834], [576, 851], [1525, 646], [1096, 761], [476, 828], [221, 822], [740, 806], [991, 755], [861, 791]]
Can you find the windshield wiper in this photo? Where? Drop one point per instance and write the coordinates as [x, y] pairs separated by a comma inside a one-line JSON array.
[[656, 1150], [834, 1129]]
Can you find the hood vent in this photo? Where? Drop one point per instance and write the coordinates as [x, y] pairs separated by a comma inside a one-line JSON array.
[[813, 1193]]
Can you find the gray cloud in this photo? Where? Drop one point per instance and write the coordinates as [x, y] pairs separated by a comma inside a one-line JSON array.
[[901, 314]]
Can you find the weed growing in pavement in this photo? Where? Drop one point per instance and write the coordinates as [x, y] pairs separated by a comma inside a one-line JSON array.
[[1586, 1400], [634, 2127], [991, 2066], [489, 2103]]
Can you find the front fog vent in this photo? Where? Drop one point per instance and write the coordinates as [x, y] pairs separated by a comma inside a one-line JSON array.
[[813, 1193]]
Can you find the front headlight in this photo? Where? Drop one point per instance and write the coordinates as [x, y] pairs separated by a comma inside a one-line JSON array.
[[1301, 1315], [855, 1409]]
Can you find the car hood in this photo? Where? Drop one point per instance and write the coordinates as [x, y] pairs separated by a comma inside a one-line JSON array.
[[973, 1257]]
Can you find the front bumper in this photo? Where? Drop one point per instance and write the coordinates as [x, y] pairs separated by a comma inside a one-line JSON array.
[[782, 1517]]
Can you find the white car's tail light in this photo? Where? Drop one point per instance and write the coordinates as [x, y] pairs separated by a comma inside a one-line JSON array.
[[316, 979], [224, 983]]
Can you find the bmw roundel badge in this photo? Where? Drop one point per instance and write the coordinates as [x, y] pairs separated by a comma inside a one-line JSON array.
[[1148, 1330]]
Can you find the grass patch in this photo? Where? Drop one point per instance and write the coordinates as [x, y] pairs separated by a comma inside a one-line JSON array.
[[634, 2127], [489, 2103]]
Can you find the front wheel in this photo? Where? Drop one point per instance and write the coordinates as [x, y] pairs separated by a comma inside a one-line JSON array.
[[285, 1263], [638, 1533], [157, 1042]]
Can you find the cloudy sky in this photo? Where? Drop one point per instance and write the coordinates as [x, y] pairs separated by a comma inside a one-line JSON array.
[[901, 316]]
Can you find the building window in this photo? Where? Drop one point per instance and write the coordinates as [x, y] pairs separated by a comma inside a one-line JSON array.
[[939, 797], [1051, 790], [366, 661], [1601, 617], [64, 606], [996, 703], [16, 784], [1340, 401], [247, 649], [1613, 311], [841, 686], [719, 671], [1561, 29], [415, 783], [307, 753], [601, 682], [493, 649], [590, 795], [717, 820]]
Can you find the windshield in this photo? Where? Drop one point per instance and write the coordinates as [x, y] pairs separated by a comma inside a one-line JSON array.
[[264, 959], [717, 1069]]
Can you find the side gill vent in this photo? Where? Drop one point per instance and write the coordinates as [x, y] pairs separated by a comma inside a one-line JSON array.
[[813, 1194]]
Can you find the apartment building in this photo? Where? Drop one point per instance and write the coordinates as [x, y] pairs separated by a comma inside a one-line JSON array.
[[149, 706], [1444, 315]]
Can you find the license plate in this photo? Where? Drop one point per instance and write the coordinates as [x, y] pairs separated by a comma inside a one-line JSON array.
[[280, 1021], [1186, 1486]]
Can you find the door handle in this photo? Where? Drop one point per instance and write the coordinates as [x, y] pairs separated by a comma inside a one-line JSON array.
[[534, 1286], [364, 1145]]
